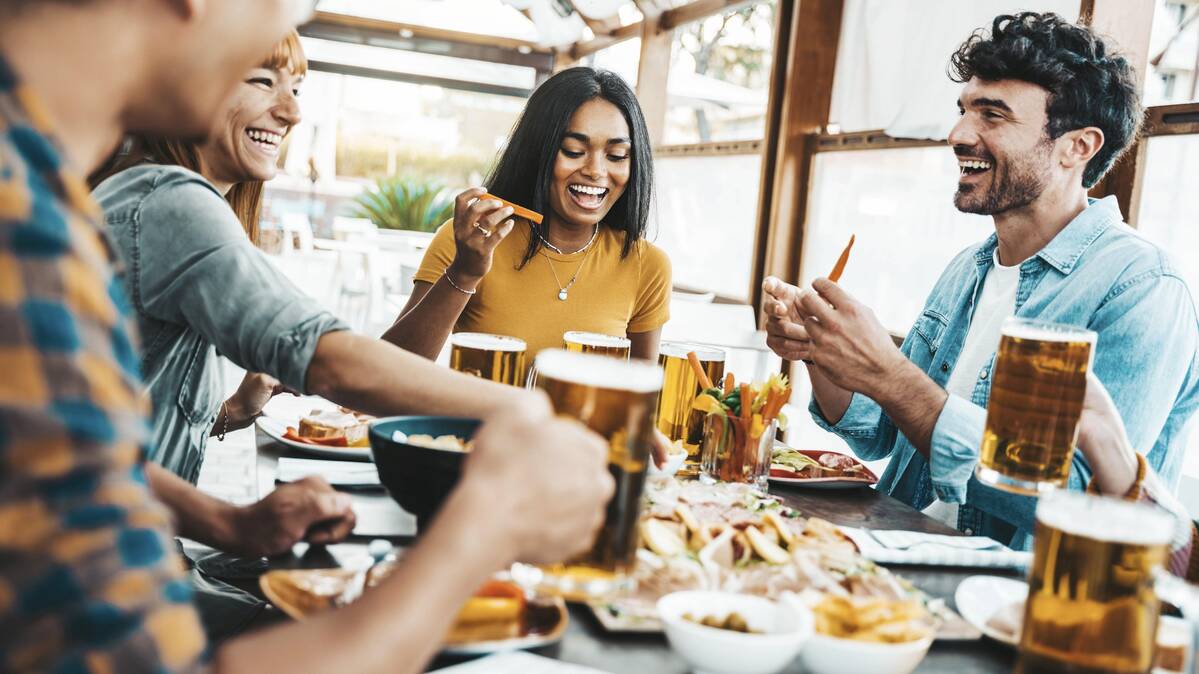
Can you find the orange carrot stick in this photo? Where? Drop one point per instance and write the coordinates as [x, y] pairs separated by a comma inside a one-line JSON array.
[[835, 274], [729, 381], [747, 401], [702, 376], [518, 211]]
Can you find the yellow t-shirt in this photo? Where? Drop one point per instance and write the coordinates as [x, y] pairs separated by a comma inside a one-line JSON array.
[[610, 296]]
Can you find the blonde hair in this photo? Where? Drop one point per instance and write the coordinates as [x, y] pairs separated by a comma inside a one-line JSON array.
[[245, 198]]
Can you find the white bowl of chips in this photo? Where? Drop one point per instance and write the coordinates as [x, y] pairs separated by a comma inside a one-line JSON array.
[[865, 635], [708, 630]]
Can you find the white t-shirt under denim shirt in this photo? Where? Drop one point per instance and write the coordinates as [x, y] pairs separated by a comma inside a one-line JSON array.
[[997, 302]]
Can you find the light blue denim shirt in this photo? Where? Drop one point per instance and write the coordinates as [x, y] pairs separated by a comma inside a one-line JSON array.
[[1098, 273], [201, 289]]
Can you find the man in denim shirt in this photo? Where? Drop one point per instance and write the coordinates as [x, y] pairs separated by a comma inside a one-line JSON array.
[[1047, 108]]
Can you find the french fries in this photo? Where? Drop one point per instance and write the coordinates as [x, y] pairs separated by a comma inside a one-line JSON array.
[[876, 620]]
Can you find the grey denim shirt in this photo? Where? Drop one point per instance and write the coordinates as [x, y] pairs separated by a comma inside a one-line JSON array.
[[200, 288]]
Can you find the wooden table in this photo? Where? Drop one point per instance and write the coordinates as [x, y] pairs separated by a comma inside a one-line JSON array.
[[587, 643]]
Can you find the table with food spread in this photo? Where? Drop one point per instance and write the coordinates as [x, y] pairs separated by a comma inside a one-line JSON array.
[[622, 637]]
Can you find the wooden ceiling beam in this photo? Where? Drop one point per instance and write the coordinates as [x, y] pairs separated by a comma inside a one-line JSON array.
[[428, 40], [668, 20]]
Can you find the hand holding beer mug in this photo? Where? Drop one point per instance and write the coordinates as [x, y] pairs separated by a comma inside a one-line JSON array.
[[1037, 391], [616, 400], [1094, 586], [492, 357]]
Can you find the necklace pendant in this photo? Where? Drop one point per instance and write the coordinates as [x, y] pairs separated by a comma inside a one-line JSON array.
[[562, 294]]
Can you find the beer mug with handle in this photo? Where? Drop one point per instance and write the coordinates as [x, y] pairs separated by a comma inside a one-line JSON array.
[[1037, 390], [1096, 584], [616, 400]]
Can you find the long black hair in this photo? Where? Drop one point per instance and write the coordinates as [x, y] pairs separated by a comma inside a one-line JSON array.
[[524, 173]]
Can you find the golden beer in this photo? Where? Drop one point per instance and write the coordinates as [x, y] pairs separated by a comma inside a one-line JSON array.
[[1040, 379], [593, 342], [616, 400], [1092, 606], [674, 417], [492, 357]]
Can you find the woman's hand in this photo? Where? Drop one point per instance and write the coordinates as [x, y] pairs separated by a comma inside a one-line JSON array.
[[1104, 442], [244, 406], [479, 226]]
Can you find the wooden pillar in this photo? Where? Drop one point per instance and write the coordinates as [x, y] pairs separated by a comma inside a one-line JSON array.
[[1129, 23], [653, 69], [801, 92]]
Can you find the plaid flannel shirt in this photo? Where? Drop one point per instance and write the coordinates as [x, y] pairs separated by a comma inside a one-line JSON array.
[[89, 580]]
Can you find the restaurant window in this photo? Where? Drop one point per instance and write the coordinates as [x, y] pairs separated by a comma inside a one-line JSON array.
[[705, 218], [899, 204], [1168, 217], [621, 58], [719, 76], [1174, 54]]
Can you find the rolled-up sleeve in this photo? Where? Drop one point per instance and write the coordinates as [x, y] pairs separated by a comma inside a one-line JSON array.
[[863, 426], [954, 451], [197, 267]]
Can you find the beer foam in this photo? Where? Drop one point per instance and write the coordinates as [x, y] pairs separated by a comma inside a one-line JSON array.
[[596, 339], [482, 340], [1106, 519], [1042, 331], [706, 354], [588, 369]]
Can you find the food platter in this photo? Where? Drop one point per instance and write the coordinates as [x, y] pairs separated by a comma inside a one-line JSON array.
[[277, 429], [833, 469], [735, 538], [302, 593]]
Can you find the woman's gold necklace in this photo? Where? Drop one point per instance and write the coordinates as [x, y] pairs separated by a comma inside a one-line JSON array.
[[564, 290]]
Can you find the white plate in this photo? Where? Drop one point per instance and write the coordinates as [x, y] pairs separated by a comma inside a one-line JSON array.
[[554, 614], [277, 427], [979, 597]]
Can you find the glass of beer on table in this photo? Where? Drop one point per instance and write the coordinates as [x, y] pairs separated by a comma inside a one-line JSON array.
[[493, 357], [674, 417], [594, 342], [1094, 585], [1037, 390], [616, 400]]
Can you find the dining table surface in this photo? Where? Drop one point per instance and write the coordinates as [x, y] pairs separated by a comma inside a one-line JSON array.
[[585, 641]]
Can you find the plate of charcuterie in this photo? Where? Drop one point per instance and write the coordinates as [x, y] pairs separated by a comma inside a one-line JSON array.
[[818, 469]]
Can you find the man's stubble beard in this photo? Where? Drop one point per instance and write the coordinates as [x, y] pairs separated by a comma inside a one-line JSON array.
[[1010, 188]]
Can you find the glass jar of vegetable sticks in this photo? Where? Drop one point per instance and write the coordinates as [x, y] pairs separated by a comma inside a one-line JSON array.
[[740, 425]]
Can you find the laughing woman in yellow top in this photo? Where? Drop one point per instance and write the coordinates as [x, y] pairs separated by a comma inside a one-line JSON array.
[[580, 154]]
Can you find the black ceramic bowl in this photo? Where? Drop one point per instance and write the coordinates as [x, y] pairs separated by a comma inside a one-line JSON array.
[[419, 478]]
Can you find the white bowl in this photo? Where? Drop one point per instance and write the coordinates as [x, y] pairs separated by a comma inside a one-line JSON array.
[[830, 655], [710, 650]]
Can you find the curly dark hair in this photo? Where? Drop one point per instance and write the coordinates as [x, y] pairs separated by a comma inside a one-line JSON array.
[[1089, 83]]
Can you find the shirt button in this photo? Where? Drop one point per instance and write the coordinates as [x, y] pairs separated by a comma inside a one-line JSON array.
[[982, 375], [969, 532], [945, 367]]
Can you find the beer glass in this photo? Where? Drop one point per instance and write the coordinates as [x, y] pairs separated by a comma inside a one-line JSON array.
[[1094, 584], [593, 342], [493, 357], [674, 417], [616, 400], [1038, 385]]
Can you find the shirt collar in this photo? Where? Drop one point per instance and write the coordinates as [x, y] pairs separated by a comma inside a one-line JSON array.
[[1064, 251]]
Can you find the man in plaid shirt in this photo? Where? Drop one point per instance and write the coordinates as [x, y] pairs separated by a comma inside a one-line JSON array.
[[89, 580]]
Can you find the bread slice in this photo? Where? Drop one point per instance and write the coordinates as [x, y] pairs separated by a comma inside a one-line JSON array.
[[328, 426]]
